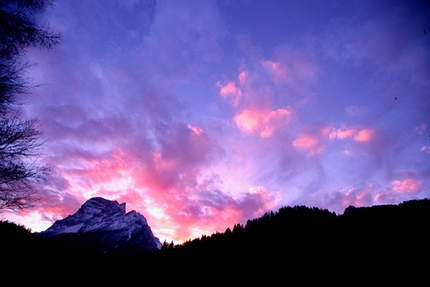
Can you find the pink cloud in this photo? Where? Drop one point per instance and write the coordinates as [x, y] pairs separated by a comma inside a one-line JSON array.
[[147, 177], [257, 201], [400, 190], [248, 120], [242, 77], [210, 211], [182, 153], [310, 143], [364, 135], [190, 213], [339, 200], [342, 134], [230, 90], [357, 198], [342, 199], [425, 149], [305, 141], [276, 118], [407, 186], [262, 121], [359, 135]]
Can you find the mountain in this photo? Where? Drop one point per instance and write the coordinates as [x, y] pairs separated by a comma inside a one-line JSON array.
[[103, 226]]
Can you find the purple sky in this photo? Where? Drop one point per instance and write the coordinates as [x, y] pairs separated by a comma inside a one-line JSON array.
[[203, 114]]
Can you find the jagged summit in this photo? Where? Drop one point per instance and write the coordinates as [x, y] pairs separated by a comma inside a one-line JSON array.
[[107, 221]]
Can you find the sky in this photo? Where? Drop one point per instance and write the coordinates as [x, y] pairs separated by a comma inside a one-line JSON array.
[[204, 114]]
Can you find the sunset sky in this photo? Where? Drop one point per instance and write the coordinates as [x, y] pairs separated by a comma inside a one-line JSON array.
[[203, 114]]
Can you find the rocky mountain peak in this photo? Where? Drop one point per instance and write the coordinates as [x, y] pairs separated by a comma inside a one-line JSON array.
[[100, 206], [108, 221]]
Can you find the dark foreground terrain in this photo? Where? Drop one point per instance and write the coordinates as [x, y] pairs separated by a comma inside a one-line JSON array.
[[293, 246]]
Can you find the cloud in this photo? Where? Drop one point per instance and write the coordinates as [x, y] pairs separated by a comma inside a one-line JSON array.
[[262, 121], [204, 211], [248, 121], [357, 197], [364, 135], [310, 143], [359, 135], [425, 149], [408, 186], [339, 200], [342, 134], [230, 90]]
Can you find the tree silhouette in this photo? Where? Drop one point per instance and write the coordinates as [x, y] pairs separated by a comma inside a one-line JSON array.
[[19, 138]]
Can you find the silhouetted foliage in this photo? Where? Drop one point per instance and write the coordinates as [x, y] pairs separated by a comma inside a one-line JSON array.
[[309, 244], [20, 30], [19, 139]]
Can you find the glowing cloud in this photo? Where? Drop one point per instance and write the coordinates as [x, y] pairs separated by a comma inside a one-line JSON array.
[[196, 130], [363, 135], [262, 121], [357, 197], [342, 134], [231, 91], [408, 186], [310, 143], [228, 89], [249, 120], [242, 77]]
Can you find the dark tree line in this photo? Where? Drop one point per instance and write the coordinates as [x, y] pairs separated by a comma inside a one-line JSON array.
[[20, 139], [386, 234], [378, 244]]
